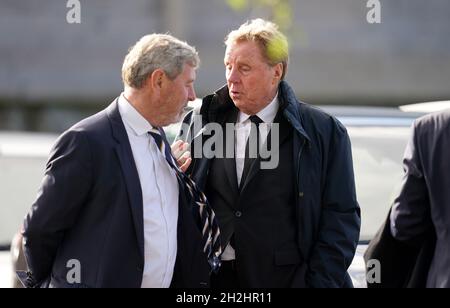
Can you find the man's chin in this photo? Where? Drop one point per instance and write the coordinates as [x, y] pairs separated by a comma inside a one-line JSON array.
[[181, 115], [238, 103], [241, 106], [175, 120]]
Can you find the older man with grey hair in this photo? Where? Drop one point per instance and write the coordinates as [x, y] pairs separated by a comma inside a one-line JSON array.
[[114, 209], [295, 224]]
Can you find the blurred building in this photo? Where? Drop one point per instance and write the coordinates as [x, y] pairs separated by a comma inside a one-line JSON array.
[[53, 73]]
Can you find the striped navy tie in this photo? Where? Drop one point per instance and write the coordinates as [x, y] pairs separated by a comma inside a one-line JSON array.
[[202, 211]]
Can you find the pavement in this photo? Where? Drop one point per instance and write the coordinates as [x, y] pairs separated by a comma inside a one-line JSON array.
[[5, 269]]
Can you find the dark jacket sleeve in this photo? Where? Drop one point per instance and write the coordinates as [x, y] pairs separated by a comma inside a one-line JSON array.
[[66, 185], [191, 126], [401, 265], [410, 216], [340, 220]]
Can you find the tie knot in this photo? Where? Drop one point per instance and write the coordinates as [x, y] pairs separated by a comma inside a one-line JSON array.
[[256, 120], [158, 138], [155, 132]]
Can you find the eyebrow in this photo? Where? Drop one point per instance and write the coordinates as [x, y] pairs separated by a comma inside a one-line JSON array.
[[240, 59]]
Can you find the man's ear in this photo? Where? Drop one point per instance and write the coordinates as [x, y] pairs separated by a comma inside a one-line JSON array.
[[278, 71], [156, 79]]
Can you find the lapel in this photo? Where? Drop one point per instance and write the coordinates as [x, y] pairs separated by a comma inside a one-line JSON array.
[[219, 108], [284, 134], [129, 170]]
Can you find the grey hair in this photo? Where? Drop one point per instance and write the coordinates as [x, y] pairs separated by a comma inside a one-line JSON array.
[[157, 51]]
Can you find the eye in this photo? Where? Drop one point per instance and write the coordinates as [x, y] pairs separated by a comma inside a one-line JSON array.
[[245, 68]]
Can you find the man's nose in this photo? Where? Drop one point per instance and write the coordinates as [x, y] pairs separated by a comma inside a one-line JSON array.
[[191, 94], [233, 76]]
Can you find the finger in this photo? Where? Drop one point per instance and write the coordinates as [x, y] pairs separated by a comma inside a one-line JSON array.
[[185, 146], [177, 149], [186, 155], [183, 158], [186, 165]]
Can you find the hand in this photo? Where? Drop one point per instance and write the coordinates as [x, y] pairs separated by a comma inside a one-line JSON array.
[[182, 155]]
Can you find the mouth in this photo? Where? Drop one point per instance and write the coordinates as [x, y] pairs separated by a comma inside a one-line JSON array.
[[235, 93]]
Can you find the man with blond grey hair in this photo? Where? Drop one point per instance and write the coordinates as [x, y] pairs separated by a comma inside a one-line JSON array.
[[293, 225], [113, 209]]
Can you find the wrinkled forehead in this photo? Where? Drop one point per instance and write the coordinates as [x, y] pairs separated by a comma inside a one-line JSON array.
[[247, 51]]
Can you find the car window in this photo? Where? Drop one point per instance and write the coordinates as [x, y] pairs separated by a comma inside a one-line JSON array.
[[377, 155]]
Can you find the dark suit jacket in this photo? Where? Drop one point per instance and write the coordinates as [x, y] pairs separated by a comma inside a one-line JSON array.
[[259, 215], [326, 211], [424, 199], [90, 209]]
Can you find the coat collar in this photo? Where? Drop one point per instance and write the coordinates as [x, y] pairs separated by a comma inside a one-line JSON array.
[[215, 107], [117, 127], [292, 109]]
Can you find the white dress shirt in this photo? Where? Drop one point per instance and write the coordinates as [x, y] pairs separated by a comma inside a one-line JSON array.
[[243, 127], [160, 199]]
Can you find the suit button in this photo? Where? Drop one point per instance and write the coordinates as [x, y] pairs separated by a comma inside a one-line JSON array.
[[238, 214]]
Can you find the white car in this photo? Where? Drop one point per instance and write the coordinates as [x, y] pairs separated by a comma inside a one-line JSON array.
[[379, 137], [22, 163]]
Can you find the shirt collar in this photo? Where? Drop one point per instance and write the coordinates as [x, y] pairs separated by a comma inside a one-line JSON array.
[[133, 118], [268, 114]]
